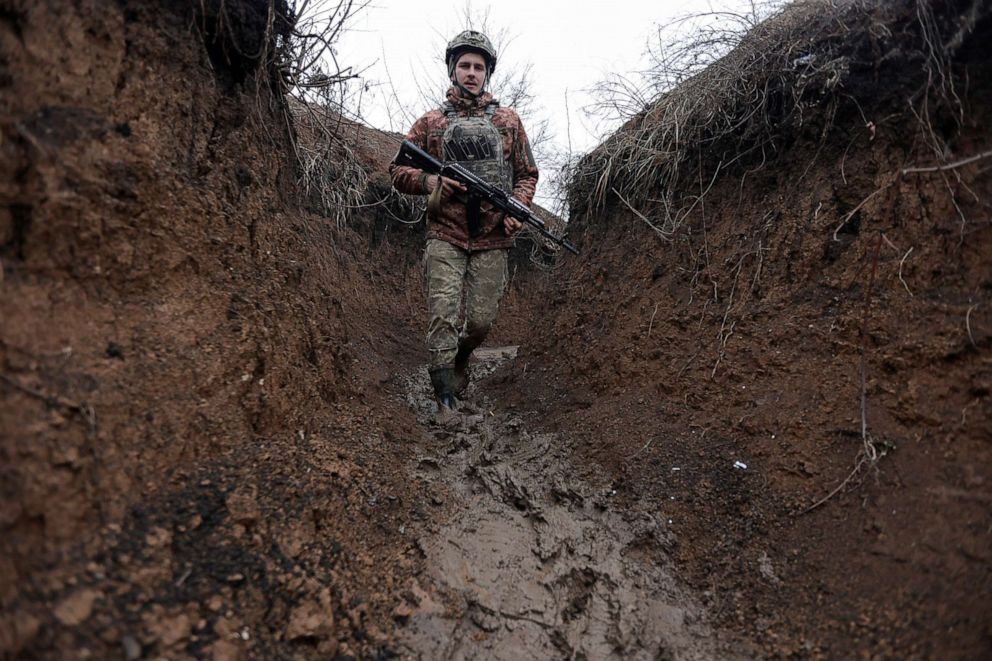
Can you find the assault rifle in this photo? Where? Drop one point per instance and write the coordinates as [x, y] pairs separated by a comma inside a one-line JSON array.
[[413, 156]]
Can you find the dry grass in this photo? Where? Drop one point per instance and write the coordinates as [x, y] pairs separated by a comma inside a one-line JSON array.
[[297, 76], [329, 173], [703, 113], [337, 158]]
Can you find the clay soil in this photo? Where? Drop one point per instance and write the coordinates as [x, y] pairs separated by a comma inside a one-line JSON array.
[[216, 438]]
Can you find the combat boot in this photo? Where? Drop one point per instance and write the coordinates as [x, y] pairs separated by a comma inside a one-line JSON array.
[[461, 373], [442, 378]]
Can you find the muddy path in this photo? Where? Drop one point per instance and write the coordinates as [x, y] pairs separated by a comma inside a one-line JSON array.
[[535, 561]]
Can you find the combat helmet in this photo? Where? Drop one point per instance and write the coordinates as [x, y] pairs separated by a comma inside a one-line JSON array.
[[470, 40]]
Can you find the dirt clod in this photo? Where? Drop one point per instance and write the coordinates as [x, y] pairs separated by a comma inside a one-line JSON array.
[[77, 607]]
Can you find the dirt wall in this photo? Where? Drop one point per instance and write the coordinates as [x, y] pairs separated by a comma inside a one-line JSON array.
[[717, 376], [188, 401]]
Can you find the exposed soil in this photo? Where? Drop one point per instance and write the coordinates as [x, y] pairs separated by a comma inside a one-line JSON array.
[[217, 440], [196, 454]]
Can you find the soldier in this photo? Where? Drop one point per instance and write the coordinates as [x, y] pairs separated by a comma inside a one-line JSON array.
[[467, 242]]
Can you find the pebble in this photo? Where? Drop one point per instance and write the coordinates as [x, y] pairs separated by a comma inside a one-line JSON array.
[[131, 647], [77, 608]]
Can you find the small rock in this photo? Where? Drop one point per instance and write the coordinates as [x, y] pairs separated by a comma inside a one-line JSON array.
[[225, 628], [131, 647], [310, 620], [224, 650], [77, 608], [175, 629], [158, 537], [243, 506]]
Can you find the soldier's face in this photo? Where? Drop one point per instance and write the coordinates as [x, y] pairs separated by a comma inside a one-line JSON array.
[[470, 72]]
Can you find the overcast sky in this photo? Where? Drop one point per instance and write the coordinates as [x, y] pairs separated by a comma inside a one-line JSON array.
[[571, 46]]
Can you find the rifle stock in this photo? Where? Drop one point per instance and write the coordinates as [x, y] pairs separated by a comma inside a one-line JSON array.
[[413, 156]]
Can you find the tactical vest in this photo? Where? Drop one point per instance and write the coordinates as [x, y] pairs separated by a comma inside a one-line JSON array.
[[476, 144]]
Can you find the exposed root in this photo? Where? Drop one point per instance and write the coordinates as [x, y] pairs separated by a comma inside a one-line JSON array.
[[901, 262], [853, 211], [869, 453], [661, 232], [651, 323], [967, 325], [943, 167], [857, 468]]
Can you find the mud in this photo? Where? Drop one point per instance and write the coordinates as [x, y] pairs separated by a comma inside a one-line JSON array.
[[536, 560]]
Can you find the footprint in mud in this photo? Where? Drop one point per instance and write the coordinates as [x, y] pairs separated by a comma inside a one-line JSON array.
[[535, 564]]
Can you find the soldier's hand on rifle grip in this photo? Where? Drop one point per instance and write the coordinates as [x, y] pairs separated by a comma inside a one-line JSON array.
[[511, 225], [448, 186]]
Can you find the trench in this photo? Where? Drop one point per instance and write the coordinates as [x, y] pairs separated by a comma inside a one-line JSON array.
[[535, 561]]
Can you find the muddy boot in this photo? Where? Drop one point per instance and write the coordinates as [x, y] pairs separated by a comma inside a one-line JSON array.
[[442, 378], [461, 373]]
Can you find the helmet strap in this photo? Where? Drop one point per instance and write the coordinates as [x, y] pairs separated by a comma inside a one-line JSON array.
[[468, 94]]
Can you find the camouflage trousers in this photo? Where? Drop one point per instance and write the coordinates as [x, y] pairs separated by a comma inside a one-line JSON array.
[[451, 272]]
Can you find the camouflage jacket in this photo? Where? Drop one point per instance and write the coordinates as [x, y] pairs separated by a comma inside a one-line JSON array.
[[451, 224]]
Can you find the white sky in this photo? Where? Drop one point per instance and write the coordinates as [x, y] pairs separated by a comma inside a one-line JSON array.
[[572, 45]]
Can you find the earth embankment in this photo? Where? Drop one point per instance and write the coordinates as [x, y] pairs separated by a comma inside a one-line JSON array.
[[784, 345], [192, 418]]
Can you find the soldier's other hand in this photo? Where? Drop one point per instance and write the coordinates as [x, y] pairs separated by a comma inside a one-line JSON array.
[[512, 225]]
